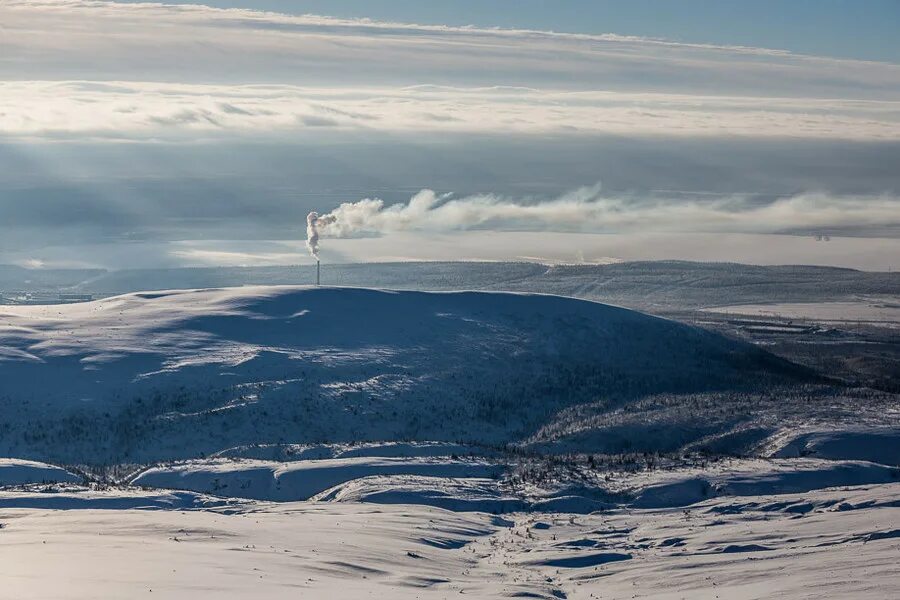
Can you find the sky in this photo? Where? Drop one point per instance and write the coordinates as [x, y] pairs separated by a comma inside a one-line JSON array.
[[164, 135], [860, 29]]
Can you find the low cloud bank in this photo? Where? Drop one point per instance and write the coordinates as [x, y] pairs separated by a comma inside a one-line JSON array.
[[153, 110]]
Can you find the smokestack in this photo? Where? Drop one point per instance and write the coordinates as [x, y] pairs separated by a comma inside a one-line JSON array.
[[318, 272]]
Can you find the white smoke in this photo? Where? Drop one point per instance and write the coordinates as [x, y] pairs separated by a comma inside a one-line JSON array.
[[586, 210], [313, 222]]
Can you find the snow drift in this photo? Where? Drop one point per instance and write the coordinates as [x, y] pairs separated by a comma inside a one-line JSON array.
[[874, 445], [300, 480], [22, 472]]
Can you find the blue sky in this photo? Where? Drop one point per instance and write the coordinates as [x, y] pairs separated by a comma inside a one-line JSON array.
[[863, 29]]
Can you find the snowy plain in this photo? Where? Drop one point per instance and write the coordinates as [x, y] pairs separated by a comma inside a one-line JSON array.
[[839, 543]]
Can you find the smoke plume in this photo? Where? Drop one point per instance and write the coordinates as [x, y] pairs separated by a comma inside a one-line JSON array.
[[313, 222], [586, 210]]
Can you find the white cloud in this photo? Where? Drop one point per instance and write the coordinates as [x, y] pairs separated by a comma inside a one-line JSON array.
[[97, 69], [141, 110]]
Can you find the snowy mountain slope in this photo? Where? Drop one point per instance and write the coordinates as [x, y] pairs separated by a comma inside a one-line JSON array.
[[731, 423], [177, 374]]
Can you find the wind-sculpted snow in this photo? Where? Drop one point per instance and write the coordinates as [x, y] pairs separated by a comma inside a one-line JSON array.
[[72, 497], [757, 478], [179, 374], [469, 494], [292, 452], [22, 472], [300, 480], [478, 485], [460, 495], [875, 445], [839, 543]]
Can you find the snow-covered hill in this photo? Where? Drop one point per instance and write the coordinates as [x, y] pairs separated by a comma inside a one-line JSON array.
[[178, 374]]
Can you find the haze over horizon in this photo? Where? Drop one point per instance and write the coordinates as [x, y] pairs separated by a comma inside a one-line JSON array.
[[163, 135]]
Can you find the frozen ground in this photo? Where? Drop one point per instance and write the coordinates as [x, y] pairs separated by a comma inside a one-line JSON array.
[[879, 310], [839, 543]]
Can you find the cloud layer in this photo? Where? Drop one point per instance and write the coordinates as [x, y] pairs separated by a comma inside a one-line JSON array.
[[129, 110], [96, 69]]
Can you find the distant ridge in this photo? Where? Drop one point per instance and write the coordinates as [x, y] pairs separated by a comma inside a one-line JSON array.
[[653, 286]]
